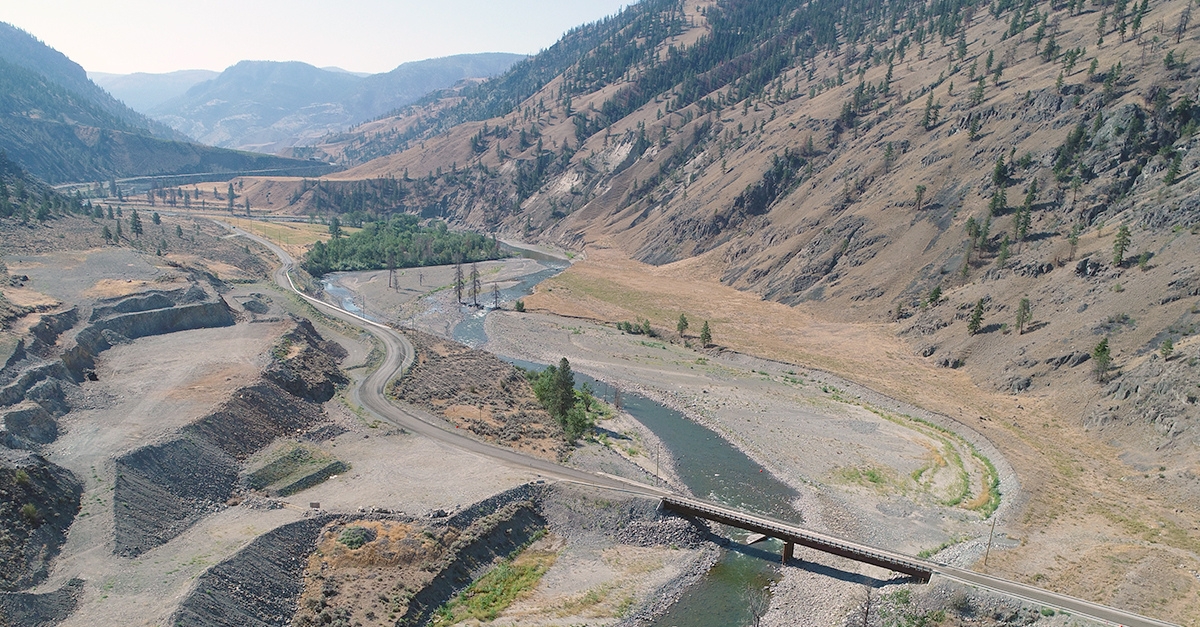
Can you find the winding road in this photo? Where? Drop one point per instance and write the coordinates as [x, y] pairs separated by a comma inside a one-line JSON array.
[[371, 394]]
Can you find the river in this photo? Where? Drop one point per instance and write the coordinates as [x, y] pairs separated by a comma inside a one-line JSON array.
[[711, 468]]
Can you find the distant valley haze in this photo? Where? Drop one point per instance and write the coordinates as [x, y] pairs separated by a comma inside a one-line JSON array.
[[369, 36], [284, 74]]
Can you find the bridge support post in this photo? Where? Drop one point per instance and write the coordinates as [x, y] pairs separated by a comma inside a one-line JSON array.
[[789, 549]]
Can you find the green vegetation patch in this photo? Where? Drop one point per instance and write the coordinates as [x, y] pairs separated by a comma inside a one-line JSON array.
[[402, 242], [292, 467], [356, 537], [491, 594], [575, 410]]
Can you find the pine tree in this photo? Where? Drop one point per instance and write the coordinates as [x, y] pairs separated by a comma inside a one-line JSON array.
[[135, 224], [976, 321], [1101, 360], [1167, 348], [1023, 314], [682, 325], [229, 198], [705, 334], [1173, 170], [1120, 245]]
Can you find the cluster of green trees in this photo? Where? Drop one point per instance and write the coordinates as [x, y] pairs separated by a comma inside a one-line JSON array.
[[401, 242], [25, 198], [574, 410], [641, 326]]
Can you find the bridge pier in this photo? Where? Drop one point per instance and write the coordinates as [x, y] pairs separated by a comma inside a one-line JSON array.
[[789, 550]]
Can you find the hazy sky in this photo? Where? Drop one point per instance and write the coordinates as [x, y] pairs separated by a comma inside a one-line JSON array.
[[124, 36]]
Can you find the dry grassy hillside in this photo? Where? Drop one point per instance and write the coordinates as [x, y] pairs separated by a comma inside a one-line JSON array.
[[862, 178]]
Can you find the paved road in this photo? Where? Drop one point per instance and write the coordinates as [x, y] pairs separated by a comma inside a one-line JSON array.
[[371, 394]]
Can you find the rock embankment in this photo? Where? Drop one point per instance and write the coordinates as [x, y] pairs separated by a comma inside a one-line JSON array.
[[40, 610], [406, 567], [38, 502], [150, 313], [306, 364]]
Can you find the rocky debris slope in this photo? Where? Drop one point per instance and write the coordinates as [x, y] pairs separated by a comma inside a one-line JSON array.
[[26, 609], [480, 544], [477, 391], [257, 587], [408, 567], [164, 488], [38, 502]]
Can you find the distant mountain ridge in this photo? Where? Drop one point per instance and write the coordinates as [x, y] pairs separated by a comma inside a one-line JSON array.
[[62, 127], [268, 106], [143, 91]]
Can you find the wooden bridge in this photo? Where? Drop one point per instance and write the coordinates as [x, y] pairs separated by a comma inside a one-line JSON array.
[[792, 535]]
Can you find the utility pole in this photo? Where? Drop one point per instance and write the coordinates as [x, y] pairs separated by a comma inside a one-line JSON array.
[[989, 544]]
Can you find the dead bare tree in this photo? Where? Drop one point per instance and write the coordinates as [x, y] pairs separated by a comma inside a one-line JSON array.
[[758, 601], [391, 267], [458, 278], [476, 284], [495, 296]]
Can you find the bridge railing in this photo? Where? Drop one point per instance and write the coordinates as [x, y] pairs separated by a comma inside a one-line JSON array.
[[918, 569]]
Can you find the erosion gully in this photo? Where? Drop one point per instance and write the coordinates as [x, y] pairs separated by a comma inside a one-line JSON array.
[[711, 468]]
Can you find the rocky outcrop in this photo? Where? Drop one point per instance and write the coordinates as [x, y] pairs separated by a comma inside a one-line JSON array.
[[31, 422], [306, 365], [36, 371], [1161, 392], [38, 502], [103, 333]]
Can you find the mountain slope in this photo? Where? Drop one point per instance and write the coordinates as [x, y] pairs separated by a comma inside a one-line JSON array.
[[978, 152], [63, 128], [268, 106], [142, 91], [23, 50]]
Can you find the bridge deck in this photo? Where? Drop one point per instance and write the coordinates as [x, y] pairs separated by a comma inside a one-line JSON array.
[[918, 569]]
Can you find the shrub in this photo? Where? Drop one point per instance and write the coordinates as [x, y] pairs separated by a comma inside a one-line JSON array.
[[355, 537]]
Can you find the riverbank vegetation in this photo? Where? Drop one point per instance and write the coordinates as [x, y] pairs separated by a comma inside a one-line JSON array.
[[575, 410], [401, 242]]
